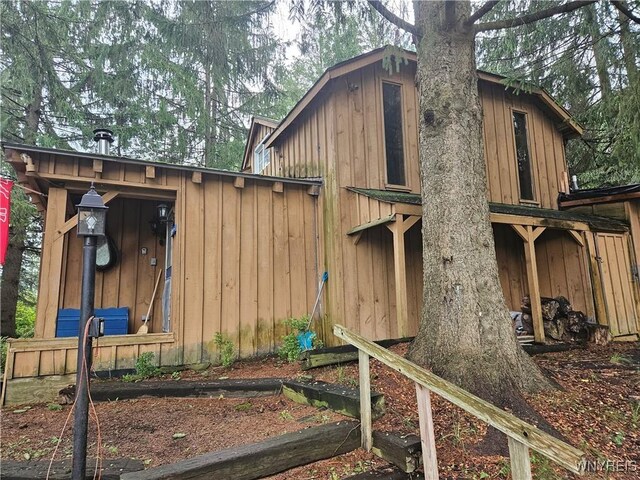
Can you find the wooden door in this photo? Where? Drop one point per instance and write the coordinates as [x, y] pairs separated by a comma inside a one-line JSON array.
[[618, 283]]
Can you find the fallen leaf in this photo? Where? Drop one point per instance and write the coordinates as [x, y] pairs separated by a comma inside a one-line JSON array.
[[179, 435]]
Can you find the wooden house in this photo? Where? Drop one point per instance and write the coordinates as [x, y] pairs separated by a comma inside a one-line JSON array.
[[243, 258], [332, 187], [357, 130]]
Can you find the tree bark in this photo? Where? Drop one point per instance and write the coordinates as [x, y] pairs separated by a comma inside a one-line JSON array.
[[591, 17], [466, 333], [628, 49], [10, 284]]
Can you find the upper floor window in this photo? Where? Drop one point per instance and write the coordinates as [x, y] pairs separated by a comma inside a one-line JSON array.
[[525, 173], [393, 133], [261, 157]]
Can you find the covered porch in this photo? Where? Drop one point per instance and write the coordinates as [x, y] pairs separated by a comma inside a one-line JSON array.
[[540, 253]]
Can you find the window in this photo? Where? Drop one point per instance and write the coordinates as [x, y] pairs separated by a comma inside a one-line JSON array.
[[525, 175], [261, 157], [393, 133]]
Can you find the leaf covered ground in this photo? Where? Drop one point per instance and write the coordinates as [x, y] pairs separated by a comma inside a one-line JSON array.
[[597, 409]]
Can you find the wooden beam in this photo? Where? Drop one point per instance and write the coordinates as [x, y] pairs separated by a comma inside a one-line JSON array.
[[534, 285], [51, 264], [314, 190], [400, 272], [97, 166], [520, 461], [81, 182], [261, 459], [196, 177], [150, 171], [374, 223], [28, 161], [536, 232], [577, 237], [407, 209], [238, 182], [357, 236], [278, 187], [73, 221], [597, 284], [427, 434], [410, 222], [522, 232], [365, 400], [538, 222], [609, 198], [563, 454]]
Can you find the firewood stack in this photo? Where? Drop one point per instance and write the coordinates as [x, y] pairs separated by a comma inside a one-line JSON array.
[[561, 322]]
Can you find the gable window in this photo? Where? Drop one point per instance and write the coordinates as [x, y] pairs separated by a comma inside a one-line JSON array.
[[525, 173], [393, 133], [261, 157]]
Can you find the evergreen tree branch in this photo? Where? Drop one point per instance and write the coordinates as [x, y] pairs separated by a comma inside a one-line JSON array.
[[620, 5], [481, 12], [533, 17], [378, 6]]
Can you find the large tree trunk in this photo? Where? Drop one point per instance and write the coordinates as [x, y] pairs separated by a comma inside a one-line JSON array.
[[466, 333], [10, 284]]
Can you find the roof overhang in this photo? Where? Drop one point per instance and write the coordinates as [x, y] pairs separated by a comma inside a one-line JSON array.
[[595, 196], [411, 204], [569, 127]]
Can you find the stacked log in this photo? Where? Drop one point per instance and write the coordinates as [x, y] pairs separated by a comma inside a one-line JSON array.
[[561, 322]]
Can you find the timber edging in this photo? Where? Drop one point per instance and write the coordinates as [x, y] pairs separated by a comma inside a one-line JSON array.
[[61, 469], [244, 387], [257, 460]]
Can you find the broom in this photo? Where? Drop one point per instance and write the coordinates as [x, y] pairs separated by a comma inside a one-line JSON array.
[[144, 328]]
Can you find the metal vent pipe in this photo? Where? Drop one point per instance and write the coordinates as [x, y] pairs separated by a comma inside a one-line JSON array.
[[104, 137]]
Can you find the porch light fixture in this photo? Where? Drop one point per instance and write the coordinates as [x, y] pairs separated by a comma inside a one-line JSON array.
[[92, 214], [163, 212]]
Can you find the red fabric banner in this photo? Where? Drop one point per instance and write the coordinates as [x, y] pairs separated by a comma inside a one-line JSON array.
[[5, 214]]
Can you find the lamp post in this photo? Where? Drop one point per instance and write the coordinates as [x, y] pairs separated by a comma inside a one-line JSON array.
[[92, 215]]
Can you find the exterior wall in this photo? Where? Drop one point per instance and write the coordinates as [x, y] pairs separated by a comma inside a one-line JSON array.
[[259, 133], [244, 261], [546, 148], [353, 106]]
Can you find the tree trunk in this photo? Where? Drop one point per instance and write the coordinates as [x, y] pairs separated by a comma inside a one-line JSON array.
[[597, 40], [466, 333], [10, 284], [628, 48]]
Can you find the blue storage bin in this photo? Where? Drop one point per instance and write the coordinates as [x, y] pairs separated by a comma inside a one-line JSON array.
[[116, 321]]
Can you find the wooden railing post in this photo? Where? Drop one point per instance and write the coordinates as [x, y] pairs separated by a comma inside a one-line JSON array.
[[520, 462], [427, 435], [365, 400]]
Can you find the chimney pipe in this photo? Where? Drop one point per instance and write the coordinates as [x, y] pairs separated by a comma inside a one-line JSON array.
[[104, 137], [574, 183]]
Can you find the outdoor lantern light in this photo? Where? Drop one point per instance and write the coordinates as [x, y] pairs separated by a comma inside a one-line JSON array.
[[92, 214], [163, 212]]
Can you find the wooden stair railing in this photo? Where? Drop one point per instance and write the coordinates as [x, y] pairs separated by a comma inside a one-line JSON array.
[[521, 435]]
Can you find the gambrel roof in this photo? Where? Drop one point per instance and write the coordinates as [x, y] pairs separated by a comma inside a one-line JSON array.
[[567, 125]]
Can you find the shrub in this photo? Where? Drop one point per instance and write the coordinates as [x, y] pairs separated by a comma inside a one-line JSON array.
[[225, 349], [145, 367], [290, 349]]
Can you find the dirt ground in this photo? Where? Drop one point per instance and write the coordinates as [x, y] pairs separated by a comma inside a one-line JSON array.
[[597, 410]]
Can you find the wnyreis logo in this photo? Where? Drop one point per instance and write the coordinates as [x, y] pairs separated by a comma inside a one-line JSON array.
[[608, 466]]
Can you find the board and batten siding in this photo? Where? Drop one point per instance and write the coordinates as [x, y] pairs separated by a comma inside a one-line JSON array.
[[244, 261]]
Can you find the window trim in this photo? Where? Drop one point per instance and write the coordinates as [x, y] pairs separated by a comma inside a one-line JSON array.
[[264, 151], [387, 184], [534, 179]]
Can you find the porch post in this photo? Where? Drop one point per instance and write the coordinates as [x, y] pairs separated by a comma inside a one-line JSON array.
[[529, 236], [51, 264], [398, 228]]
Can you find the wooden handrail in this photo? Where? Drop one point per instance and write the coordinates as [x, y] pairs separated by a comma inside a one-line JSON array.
[[518, 431]]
